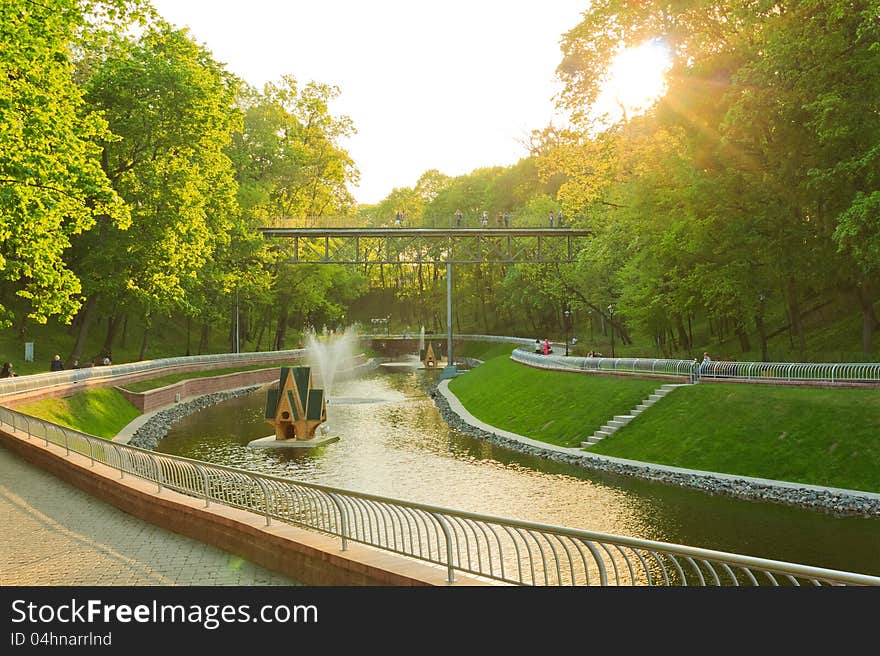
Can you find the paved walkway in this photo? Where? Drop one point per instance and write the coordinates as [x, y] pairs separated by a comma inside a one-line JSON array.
[[55, 534]]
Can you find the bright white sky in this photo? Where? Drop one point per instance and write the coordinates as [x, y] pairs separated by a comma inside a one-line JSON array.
[[452, 85]]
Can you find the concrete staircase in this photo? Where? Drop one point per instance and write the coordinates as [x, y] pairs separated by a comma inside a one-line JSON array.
[[619, 421]]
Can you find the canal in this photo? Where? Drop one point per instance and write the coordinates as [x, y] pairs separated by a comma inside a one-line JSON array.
[[394, 443]]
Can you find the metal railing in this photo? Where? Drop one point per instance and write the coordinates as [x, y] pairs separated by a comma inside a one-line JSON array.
[[503, 550], [819, 372], [633, 365], [32, 382]]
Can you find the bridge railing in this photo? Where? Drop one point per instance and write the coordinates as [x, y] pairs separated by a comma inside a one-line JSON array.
[[504, 550]]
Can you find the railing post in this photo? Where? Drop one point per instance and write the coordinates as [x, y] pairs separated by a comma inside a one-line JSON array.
[[91, 452], [66, 442], [450, 568], [158, 472], [343, 518], [266, 498], [207, 485], [119, 460]]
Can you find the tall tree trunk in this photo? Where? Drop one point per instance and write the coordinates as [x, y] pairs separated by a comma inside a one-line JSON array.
[[744, 344], [203, 337], [762, 332], [113, 323], [281, 330], [794, 311], [143, 351], [682, 334], [87, 312], [188, 335], [124, 331], [260, 333], [869, 320]]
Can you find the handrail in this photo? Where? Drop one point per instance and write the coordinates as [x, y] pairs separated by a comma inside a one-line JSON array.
[[828, 372], [501, 549]]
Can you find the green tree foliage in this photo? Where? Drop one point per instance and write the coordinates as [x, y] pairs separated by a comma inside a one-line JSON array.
[[170, 108], [751, 180], [51, 184]]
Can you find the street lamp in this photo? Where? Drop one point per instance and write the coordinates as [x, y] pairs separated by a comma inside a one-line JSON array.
[[611, 321], [567, 314]]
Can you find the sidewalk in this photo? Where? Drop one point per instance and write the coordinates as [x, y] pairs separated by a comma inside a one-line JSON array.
[[55, 534]]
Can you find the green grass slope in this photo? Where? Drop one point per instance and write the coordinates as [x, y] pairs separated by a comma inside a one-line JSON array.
[[555, 407], [101, 412], [816, 436]]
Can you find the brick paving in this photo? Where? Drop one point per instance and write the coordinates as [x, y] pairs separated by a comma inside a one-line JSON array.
[[55, 534]]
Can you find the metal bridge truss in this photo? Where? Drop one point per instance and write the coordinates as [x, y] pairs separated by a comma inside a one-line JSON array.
[[427, 245]]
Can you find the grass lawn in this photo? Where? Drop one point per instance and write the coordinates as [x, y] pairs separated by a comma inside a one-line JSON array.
[[101, 412], [483, 350], [156, 383], [556, 407], [817, 436]]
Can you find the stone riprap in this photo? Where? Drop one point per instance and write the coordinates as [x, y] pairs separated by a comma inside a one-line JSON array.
[[154, 429], [831, 500]]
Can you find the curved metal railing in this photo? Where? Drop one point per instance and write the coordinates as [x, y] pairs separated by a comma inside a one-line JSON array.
[[21, 384], [504, 550], [820, 372], [633, 365]]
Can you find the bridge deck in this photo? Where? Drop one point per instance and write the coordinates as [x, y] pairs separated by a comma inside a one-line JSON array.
[[425, 232]]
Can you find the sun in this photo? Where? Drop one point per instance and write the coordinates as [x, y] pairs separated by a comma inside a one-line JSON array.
[[635, 80]]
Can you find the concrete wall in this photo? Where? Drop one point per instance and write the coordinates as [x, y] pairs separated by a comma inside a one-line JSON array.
[[162, 396]]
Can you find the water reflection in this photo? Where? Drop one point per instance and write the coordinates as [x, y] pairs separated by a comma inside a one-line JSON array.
[[395, 444]]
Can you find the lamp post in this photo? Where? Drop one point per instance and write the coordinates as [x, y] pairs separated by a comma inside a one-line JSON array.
[[567, 314], [611, 321]]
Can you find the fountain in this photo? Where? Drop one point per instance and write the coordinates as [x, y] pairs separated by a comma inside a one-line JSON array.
[[297, 409], [327, 355]]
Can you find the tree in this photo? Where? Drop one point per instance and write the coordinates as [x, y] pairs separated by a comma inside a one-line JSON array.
[[51, 184], [170, 107]]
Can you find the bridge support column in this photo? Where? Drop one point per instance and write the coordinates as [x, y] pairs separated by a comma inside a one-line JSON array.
[[449, 371]]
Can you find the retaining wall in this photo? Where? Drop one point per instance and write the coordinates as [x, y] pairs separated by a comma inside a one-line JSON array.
[[308, 557]]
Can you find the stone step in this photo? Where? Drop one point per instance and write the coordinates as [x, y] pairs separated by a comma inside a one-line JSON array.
[[656, 397], [605, 431], [619, 423]]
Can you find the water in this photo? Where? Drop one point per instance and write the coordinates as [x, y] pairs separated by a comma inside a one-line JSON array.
[[329, 354], [394, 443]]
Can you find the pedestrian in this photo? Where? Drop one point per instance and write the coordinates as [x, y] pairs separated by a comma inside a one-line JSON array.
[[397, 219], [56, 364], [500, 219], [7, 371], [458, 216], [106, 361], [538, 348], [551, 217], [484, 220], [559, 218], [706, 363], [507, 219], [545, 347]]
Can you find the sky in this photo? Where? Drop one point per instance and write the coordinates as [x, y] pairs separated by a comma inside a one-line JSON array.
[[452, 85]]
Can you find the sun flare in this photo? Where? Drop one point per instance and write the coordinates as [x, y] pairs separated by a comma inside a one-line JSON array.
[[636, 79]]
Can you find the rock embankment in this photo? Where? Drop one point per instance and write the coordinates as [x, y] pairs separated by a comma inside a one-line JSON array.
[[154, 429], [808, 497]]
